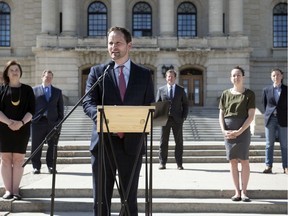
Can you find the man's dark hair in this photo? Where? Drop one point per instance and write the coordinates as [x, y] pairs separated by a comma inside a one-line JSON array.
[[127, 34]]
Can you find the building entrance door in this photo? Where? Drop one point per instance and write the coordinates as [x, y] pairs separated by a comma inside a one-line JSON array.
[[192, 81], [84, 77]]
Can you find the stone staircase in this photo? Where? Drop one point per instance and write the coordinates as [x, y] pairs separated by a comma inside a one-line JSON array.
[[203, 140], [201, 125], [76, 152], [169, 201], [200, 188]]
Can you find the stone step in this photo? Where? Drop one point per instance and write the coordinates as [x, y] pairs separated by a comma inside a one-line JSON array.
[[199, 188], [86, 192], [171, 205], [193, 153], [84, 160], [69, 213], [186, 153]]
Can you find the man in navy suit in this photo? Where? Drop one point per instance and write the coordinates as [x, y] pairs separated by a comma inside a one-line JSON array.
[[275, 106], [178, 112], [49, 111], [138, 91]]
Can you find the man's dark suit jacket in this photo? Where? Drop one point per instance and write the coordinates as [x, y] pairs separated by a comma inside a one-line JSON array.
[[179, 106], [55, 105], [270, 105], [139, 92]]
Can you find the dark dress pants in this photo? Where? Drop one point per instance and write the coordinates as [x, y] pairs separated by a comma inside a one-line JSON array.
[[39, 132], [177, 129], [125, 165]]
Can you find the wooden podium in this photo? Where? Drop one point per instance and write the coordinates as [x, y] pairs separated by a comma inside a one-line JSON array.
[[126, 119]]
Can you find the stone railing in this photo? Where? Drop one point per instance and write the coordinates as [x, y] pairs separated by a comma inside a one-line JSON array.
[[257, 126]]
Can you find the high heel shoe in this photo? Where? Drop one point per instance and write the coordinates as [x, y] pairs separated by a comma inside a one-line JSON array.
[[7, 195], [236, 198], [17, 197], [245, 198]]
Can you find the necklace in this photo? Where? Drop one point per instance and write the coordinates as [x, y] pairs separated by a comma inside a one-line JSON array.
[[15, 103]]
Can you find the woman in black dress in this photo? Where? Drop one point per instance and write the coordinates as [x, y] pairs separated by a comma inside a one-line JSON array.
[[16, 110], [237, 110]]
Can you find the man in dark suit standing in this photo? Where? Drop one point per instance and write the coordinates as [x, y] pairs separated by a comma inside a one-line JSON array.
[[49, 111], [124, 84], [178, 112], [275, 116]]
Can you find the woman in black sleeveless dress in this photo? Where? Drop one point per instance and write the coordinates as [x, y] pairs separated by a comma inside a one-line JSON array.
[[16, 110], [237, 110]]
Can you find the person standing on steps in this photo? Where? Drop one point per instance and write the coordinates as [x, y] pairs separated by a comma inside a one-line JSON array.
[[178, 112], [275, 106], [16, 110], [128, 84], [236, 112], [49, 112]]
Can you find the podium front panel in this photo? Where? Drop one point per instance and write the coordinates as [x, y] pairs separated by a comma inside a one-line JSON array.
[[128, 119]]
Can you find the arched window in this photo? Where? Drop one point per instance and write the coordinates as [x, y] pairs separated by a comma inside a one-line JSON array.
[[280, 25], [97, 19], [186, 20], [5, 25], [142, 20]]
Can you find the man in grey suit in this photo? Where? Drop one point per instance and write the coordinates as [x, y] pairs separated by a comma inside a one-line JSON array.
[[178, 112], [128, 84], [49, 111]]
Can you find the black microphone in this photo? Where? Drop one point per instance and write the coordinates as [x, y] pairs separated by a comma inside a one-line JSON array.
[[110, 65]]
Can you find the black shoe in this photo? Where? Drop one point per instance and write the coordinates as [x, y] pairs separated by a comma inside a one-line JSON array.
[[268, 170], [17, 197], [7, 196], [235, 198], [50, 170], [162, 166], [36, 171], [180, 168], [245, 198]]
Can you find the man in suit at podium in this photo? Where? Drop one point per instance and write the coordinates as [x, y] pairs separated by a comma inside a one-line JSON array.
[[125, 83], [178, 112]]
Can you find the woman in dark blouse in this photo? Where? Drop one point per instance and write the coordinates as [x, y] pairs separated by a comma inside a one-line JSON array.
[[16, 110], [237, 110]]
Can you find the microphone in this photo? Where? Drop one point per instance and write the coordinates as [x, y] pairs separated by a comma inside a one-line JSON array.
[[110, 65]]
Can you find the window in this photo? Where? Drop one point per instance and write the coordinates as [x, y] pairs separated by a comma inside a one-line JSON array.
[[186, 20], [97, 19], [280, 25], [5, 25], [142, 20]]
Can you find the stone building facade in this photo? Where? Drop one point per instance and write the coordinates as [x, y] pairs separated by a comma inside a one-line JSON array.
[[59, 35]]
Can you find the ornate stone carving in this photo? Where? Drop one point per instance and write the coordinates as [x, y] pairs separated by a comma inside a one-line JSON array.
[[92, 57], [144, 58], [192, 57]]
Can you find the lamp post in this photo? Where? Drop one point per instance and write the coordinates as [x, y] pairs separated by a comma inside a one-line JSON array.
[[165, 69]]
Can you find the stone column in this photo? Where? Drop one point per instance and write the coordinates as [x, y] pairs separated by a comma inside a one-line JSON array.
[[49, 17], [166, 16], [235, 17], [118, 13], [69, 21], [215, 17]]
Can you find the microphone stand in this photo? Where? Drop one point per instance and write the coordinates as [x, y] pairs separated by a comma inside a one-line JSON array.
[[55, 132]]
